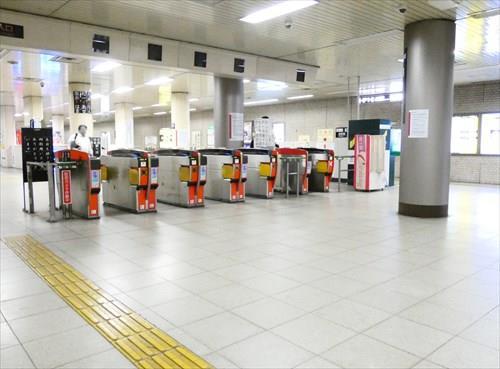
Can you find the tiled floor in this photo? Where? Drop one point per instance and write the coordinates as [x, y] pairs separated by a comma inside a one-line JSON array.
[[323, 281]]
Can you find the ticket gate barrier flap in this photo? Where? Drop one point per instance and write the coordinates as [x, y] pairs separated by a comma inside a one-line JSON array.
[[305, 168], [130, 180], [322, 161], [226, 174], [182, 178], [262, 169], [80, 185]]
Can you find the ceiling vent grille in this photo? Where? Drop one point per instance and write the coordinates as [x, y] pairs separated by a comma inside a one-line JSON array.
[[65, 59]]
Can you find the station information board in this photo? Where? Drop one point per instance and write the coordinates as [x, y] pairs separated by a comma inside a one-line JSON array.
[[37, 147]]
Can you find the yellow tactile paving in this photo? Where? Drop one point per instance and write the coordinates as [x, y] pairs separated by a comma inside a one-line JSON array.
[[141, 342]]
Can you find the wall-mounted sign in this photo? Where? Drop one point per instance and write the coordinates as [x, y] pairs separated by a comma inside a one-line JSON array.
[[341, 132], [81, 100], [11, 30], [418, 123], [236, 126]]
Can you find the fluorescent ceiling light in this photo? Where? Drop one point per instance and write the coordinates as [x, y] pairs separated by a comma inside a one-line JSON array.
[[257, 102], [194, 99], [137, 108], [105, 66], [246, 81], [156, 105], [160, 113], [26, 113], [192, 109], [122, 90], [299, 97], [18, 115], [159, 81], [486, 13], [282, 8], [267, 85]]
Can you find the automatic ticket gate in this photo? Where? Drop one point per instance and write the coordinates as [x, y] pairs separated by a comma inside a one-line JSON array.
[[322, 161], [293, 165], [130, 180], [79, 184], [261, 172], [182, 177], [226, 174]]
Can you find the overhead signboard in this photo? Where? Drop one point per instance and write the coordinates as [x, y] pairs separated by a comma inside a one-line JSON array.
[[11, 30]]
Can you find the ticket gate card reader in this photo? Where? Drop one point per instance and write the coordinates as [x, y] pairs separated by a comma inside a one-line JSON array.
[[261, 172], [79, 184], [226, 174], [322, 164], [182, 177], [130, 180], [303, 168]]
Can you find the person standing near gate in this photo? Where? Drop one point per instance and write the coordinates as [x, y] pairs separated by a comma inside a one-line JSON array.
[[80, 140]]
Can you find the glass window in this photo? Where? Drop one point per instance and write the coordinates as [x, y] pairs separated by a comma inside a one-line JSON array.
[[490, 134], [464, 134]]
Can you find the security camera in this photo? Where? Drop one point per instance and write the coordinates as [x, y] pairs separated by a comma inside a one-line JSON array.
[[402, 10], [42, 84], [288, 23]]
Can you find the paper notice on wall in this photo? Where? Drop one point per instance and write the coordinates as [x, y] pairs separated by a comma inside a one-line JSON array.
[[418, 123], [236, 126], [304, 140]]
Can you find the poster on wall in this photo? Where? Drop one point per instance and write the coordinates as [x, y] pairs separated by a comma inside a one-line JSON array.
[[418, 123], [325, 135], [247, 134], [236, 126], [210, 136], [81, 100]]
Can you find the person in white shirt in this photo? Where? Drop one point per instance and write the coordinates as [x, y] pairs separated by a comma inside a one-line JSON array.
[[80, 140]]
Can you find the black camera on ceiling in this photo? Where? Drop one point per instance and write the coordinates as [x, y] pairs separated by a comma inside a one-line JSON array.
[[100, 44]]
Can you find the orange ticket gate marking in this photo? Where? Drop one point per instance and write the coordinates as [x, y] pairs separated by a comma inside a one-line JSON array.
[[261, 172], [322, 166], [304, 170]]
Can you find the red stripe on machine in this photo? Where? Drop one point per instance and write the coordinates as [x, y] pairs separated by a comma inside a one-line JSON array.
[[66, 186]]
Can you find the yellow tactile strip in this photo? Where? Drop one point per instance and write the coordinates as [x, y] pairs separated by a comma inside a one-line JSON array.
[[143, 344]]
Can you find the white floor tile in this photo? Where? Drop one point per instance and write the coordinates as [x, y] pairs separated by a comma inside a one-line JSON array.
[[313, 333], [158, 294], [484, 332], [265, 351], [186, 310], [352, 314], [317, 363], [365, 352], [231, 296], [270, 283], [111, 359], [7, 338], [340, 286], [409, 336], [268, 312], [307, 298], [221, 330], [459, 353], [15, 357], [202, 282]]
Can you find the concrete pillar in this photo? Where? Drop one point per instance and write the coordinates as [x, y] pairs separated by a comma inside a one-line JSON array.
[[228, 100], [58, 129], [7, 134], [33, 107], [425, 152], [124, 125], [180, 119], [76, 117]]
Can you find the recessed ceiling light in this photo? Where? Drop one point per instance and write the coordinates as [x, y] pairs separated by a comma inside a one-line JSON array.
[[267, 85], [246, 81], [194, 99], [192, 109], [257, 102], [137, 108], [160, 113], [122, 90], [105, 66], [299, 97], [282, 8], [159, 81]]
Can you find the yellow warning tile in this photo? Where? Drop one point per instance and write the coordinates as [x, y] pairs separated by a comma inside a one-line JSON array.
[[141, 342]]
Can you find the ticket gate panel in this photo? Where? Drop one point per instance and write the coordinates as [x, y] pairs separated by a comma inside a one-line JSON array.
[[261, 172], [132, 179], [85, 182], [182, 177], [304, 170], [226, 174], [322, 162]]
